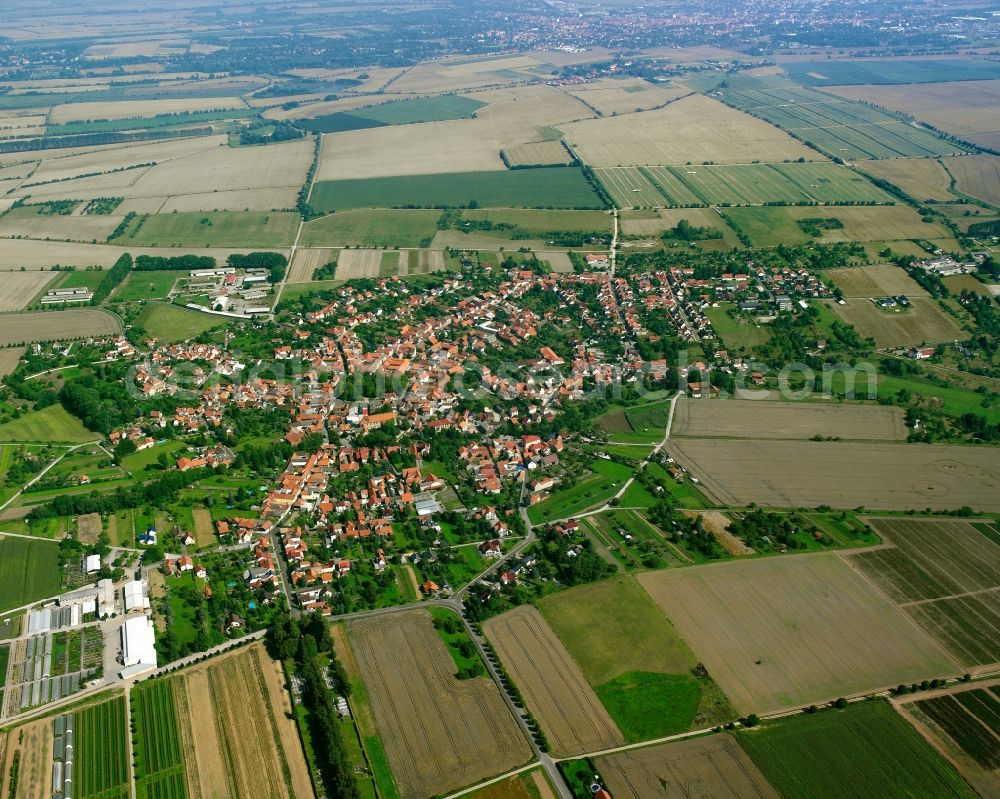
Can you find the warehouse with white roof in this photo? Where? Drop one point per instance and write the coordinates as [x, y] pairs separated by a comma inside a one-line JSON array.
[[138, 646]]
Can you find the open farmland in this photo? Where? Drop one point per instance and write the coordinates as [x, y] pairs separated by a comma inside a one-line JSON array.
[[10, 357], [922, 178], [42, 255], [553, 687], [835, 126], [963, 722], [866, 750], [977, 175], [848, 638], [27, 223], [875, 281], [693, 129], [29, 570], [707, 767], [20, 288], [308, 260], [892, 71], [52, 423], [439, 733], [131, 109], [799, 420], [922, 323], [100, 747], [560, 187], [965, 109], [214, 729], [31, 747], [159, 757], [539, 153], [610, 96], [946, 575], [170, 323], [213, 229], [843, 475], [354, 264], [396, 112], [634, 659], [72, 323], [653, 223], [370, 228]]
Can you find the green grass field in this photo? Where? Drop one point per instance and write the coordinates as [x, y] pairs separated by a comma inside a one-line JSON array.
[[593, 490], [29, 570], [146, 286], [543, 221], [53, 423], [371, 228], [101, 746], [138, 462], [865, 750], [170, 323], [78, 279], [738, 335], [241, 229], [558, 187], [647, 705], [839, 72]]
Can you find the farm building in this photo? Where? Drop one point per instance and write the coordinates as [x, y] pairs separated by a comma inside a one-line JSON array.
[[134, 595], [92, 564], [138, 647]]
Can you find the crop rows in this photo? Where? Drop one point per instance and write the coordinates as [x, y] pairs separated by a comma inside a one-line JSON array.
[[737, 184], [160, 772], [29, 570], [101, 750], [960, 724]]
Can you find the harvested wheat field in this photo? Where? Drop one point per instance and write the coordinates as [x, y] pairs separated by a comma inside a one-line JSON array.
[[65, 228], [554, 688], [422, 262], [610, 96], [797, 420], [539, 153], [874, 281], [307, 260], [32, 743], [922, 178], [694, 128], [129, 109], [43, 255], [713, 767], [20, 288], [736, 616], [73, 323], [797, 474], [9, 358], [439, 733], [234, 721], [557, 261], [977, 175], [358, 263], [922, 323]]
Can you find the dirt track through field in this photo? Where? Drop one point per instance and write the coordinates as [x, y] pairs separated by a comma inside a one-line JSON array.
[[554, 688], [439, 733], [713, 767]]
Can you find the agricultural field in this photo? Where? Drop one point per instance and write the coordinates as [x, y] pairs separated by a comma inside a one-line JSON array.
[[9, 359], [837, 127], [795, 474], [31, 747], [560, 187], [553, 687], [213, 229], [50, 424], [306, 261], [964, 109], [397, 112], [29, 570], [159, 757], [354, 264], [634, 659], [946, 576], [170, 323], [892, 71], [693, 129], [29, 222], [371, 228], [655, 222], [230, 719], [610, 96], [439, 733], [131, 109], [874, 281], [20, 288], [837, 616], [922, 178], [100, 747], [977, 175], [964, 723], [770, 226], [710, 767], [152, 285], [71, 323], [539, 222], [779, 420], [539, 153], [922, 323]]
